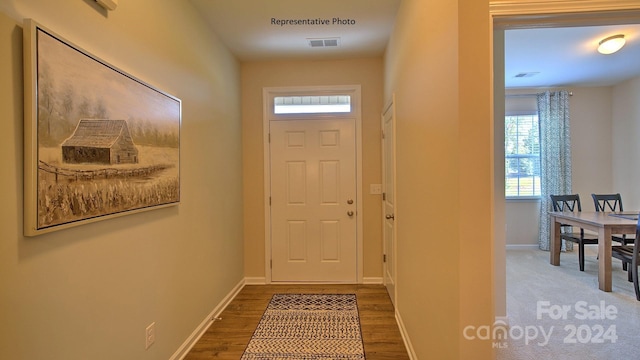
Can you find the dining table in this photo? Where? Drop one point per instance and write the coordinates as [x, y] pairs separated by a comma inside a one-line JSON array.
[[604, 224]]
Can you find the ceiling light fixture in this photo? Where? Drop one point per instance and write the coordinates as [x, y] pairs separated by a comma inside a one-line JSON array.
[[611, 44]]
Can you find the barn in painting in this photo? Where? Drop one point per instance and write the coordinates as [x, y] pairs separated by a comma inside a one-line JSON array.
[[100, 142]]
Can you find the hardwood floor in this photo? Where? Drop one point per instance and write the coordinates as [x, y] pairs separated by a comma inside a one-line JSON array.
[[228, 337]]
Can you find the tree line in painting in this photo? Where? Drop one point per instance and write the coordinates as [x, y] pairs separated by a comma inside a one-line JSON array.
[[60, 108]]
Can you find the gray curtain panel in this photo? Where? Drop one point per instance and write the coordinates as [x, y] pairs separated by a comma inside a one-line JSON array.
[[555, 157]]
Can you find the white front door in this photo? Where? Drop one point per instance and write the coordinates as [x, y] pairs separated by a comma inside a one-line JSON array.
[[388, 198], [313, 200]]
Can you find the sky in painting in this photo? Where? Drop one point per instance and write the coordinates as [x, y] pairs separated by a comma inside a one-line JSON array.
[[123, 96]]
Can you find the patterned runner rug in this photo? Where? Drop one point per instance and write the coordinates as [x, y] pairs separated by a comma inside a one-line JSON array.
[[308, 326]]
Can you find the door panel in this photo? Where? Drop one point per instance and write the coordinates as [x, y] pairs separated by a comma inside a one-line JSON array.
[[296, 182], [313, 177], [296, 241]]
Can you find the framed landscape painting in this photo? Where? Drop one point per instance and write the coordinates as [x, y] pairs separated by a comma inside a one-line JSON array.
[[99, 143]]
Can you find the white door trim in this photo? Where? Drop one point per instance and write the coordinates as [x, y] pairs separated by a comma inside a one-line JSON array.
[[516, 8], [268, 115], [389, 258]]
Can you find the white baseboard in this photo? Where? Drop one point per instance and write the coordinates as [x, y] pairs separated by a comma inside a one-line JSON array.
[[204, 325], [372, 280], [255, 281], [522, 247], [405, 337]]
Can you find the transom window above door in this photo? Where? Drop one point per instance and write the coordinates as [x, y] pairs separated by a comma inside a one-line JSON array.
[[312, 104]]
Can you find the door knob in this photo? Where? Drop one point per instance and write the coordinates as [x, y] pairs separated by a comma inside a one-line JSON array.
[[350, 213], [349, 201], [390, 217]]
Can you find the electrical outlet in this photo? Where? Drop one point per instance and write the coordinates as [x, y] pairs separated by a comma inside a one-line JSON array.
[[150, 335]]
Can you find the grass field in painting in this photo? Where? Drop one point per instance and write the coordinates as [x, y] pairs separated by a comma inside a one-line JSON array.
[[63, 198]]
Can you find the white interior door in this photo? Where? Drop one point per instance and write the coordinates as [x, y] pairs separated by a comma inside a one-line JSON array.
[[313, 200], [388, 198]]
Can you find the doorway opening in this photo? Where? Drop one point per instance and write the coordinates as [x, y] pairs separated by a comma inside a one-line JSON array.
[[540, 14]]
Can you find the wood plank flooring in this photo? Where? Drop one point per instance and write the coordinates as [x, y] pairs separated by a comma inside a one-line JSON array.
[[228, 337]]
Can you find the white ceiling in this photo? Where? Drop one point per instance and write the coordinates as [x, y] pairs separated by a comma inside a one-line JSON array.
[[246, 27], [567, 56], [560, 56]]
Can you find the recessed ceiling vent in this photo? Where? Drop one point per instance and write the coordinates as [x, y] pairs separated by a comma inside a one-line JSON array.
[[527, 74], [329, 42]]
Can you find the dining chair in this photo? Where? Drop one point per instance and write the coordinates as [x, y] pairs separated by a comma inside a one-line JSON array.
[[571, 203], [629, 255], [607, 202], [612, 202]]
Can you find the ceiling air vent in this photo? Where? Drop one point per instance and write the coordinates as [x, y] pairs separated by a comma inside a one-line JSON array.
[[329, 42]]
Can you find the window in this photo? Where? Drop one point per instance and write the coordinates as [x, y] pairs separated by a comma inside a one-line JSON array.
[[312, 104], [522, 156]]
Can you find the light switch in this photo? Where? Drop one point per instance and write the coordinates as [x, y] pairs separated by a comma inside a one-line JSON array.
[[375, 189]]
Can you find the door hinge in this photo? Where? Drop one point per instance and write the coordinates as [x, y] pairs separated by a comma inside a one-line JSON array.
[[269, 200], [384, 196], [271, 264], [384, 258], [382, 131]]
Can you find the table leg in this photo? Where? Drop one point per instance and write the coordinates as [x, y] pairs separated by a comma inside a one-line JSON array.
[[604, 258], [556, 244]]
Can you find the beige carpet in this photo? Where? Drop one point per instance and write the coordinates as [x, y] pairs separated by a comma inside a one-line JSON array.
[[534, 287]]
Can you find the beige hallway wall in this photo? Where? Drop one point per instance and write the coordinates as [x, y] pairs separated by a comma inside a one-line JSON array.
[[438, 64], [258, 75], [89, 292]]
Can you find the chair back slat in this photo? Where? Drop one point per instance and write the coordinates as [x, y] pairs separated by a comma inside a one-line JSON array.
[[566, 202], [607, 202]]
